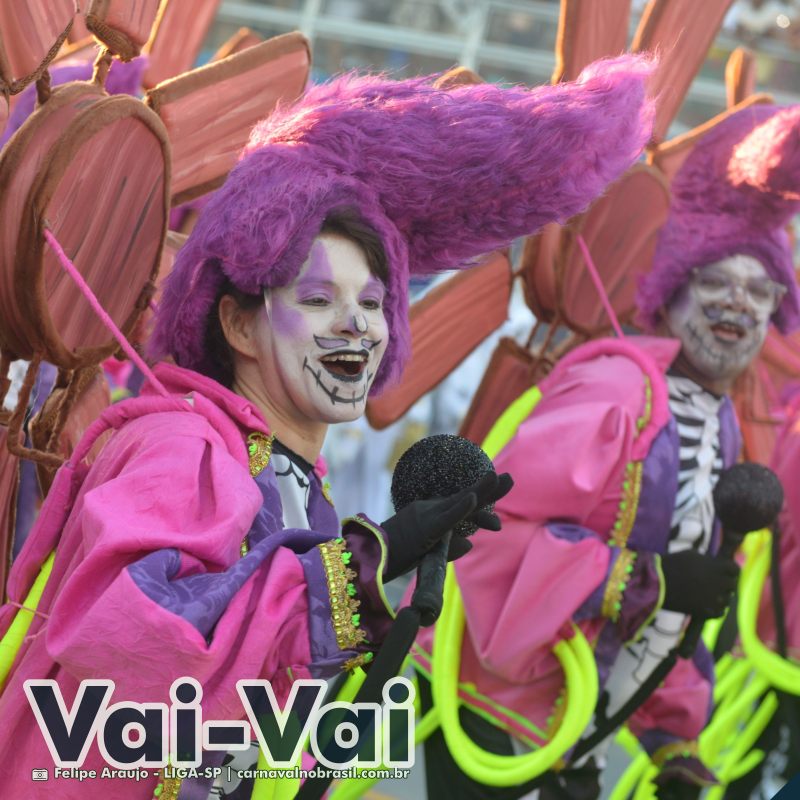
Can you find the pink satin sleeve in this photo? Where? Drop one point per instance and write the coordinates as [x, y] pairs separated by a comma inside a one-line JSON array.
[[167, 482], [523, 586]]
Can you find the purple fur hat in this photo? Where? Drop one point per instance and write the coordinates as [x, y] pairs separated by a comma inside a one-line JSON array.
[[735, 193], [442, 176]]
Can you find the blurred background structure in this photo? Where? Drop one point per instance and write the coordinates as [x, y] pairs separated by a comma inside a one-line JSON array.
[[509, 41]]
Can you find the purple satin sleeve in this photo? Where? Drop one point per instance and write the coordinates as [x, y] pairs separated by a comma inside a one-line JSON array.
[[202, 598], [367, 542], [326, 656], [641, 596], [642, 592], [686, 768], [591, 607], [364, 541]]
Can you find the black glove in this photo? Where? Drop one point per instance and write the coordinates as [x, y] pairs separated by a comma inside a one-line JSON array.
[[683, 778], [415, 529], [676, 789], [698, 583]]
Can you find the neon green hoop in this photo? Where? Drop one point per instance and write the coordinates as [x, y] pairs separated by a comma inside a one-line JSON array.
[[781, 673], [13, 638], [577, 661]]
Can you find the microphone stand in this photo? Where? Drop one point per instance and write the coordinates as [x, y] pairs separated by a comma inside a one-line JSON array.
[[423, 611]]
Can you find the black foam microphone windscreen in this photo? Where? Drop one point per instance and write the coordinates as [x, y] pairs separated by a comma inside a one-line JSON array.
[[747, 497], [439, 466]]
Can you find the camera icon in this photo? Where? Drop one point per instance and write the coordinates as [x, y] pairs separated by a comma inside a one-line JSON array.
[[39, 774]]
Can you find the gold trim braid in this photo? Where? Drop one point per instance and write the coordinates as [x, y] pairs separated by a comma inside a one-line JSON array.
[[617, 583], [685, 749], [344, 605], [167, 789], [259, 450], [632, 482], [629, 505]]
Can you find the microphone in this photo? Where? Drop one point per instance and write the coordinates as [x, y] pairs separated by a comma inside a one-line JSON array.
[[747, 497], [437, 466]]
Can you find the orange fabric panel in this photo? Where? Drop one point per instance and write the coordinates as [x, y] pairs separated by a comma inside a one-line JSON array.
[[177, 36], [241, 40], [446, 326], [681, 31], [620, 231], [538, 270], [588, 30], [31, 33], [509, 374], [740, 76], [210, 111], [122, 25]]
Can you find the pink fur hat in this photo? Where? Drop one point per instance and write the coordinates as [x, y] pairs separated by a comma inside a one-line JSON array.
[[735, 193], [441, 175]]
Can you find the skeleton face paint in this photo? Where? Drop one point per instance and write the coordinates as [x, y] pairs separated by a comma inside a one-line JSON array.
[[721, 315], [325, 334]]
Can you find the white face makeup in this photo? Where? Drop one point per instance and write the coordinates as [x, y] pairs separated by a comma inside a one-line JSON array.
[[323, 336], [721, 315]]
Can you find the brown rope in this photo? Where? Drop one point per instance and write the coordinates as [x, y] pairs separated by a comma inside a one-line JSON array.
[[18, 85], [551, 332], [43, 88], [115, 40], [532, 335], [17, 419], [570, 343], [102, 64], [542, 358], [18, 416], [61, 410], [75, 387]]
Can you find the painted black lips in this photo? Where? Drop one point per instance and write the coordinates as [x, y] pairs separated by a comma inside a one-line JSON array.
[[345, 365], [333, 393]]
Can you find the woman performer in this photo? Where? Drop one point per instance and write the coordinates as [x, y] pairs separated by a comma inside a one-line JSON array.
[[201, 542]]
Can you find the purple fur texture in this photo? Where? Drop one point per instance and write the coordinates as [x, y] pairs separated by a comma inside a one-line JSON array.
[[443, 176], [735, 193]]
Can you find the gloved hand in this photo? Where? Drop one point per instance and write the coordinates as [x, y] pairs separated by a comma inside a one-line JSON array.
[[683, 778], [698, 583], [675, 789], [415, 529]]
